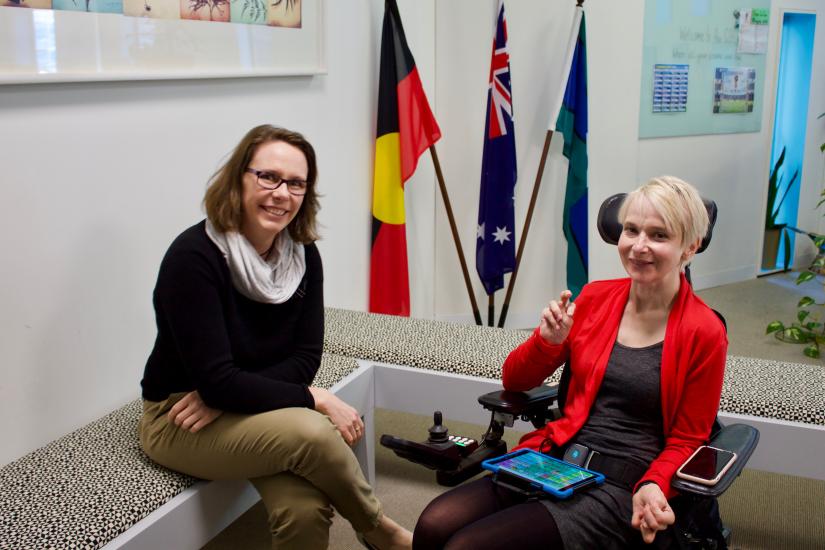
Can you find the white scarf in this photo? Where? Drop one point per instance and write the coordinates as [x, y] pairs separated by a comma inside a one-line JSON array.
[[272, 280]]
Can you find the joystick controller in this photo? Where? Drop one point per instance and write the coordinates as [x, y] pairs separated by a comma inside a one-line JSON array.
[[441, 451], [438, 431]]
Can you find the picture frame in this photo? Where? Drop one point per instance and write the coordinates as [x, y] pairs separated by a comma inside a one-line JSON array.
[[44, 45]]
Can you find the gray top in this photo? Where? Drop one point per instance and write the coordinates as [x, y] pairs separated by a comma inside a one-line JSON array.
[[625, 421], [626, 418]]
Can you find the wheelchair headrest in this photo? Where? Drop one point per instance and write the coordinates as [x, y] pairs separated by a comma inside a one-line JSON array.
[[610, 228]]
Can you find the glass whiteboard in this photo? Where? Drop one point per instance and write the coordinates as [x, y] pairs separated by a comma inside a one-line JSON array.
[[694, 78]]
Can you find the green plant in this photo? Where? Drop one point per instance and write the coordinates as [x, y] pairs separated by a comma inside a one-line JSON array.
[[776, 196], [807, 329]]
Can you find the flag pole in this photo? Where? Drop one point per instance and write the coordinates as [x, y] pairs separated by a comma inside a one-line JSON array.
[[456, 240], [491, 309], [540, 172], [528, 219]]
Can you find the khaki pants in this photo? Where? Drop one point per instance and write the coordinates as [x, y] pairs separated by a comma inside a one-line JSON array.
[[294, 457]]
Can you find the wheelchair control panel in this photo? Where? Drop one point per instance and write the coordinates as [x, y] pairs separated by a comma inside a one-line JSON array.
[[456, 458]]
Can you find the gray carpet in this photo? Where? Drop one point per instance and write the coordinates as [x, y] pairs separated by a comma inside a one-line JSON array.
[[764, 510]]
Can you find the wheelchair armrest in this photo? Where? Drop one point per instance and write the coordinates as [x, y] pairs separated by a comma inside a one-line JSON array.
[[738, 438], [520, 403]]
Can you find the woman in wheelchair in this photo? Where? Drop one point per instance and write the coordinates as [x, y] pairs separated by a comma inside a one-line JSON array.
[[646, 358]]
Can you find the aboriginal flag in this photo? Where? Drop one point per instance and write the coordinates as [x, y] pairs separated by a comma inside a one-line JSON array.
[[406, 128]]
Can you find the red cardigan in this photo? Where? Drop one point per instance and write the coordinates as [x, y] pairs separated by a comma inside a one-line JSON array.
[[693, 364]]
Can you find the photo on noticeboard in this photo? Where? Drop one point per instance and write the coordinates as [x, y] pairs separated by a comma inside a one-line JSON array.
[[733, 90]]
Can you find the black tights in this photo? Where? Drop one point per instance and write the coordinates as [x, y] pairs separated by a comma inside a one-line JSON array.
[[483, 516]]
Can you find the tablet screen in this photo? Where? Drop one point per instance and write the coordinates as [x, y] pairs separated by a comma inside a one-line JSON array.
[[541, 469]]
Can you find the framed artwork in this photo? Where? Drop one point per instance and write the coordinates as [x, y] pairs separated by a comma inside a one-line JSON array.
[[93, 40]]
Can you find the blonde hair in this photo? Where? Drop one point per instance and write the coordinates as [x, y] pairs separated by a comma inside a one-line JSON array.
[[677, 202]]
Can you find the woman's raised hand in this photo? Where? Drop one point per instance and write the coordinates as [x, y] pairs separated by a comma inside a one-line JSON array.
[[191, 413], [346, 418], [557, 319]]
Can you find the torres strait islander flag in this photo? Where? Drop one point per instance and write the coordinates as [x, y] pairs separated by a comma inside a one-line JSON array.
[[406, 128], [495, 235], [572, 124]]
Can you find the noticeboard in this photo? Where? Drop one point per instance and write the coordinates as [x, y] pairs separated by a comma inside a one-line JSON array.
[[703, 67]]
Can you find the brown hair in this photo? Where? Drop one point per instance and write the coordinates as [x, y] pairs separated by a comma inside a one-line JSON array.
[[223, 200]]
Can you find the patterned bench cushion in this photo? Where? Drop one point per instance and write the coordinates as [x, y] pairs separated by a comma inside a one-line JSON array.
[[86, 488], [774, 389], [435, 345], [758, 387]]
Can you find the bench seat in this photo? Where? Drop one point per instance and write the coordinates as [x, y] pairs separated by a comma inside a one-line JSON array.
[[88, 487], [793, 392], [435, 345]]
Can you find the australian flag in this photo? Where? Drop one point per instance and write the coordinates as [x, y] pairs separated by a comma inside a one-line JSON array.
[[495, 235]]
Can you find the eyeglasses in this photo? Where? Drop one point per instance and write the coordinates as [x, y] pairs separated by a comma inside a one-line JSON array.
[[273, 180]]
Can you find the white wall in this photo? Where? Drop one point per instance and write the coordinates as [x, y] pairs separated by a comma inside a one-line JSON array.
[[98, 178]]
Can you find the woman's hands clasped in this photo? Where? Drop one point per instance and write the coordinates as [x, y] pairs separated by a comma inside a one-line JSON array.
[[346, 418], [557, 319], [191, 413], [651, 511]]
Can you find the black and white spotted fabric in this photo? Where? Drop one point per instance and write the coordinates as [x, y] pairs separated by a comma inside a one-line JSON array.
[[435, 345], [83, 489], [774, 389], [86, 488]]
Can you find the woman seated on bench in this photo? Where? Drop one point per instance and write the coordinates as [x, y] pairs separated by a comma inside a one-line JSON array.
[[647, 358], [240, 314]]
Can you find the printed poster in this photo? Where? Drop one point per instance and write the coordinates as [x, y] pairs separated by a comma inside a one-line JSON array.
[[733, 89], [753, 30], [670, 88]]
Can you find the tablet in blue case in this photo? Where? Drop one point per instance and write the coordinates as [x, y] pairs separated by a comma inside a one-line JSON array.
[[556, 477]]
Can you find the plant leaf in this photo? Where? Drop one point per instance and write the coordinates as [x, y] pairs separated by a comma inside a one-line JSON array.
[[812, 350], [773, 191], [801, 314], [787, 190], [774, 326], [805, 302], [794, 334], [804, 277]]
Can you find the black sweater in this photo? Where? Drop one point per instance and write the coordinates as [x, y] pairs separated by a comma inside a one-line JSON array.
[[242, 356]]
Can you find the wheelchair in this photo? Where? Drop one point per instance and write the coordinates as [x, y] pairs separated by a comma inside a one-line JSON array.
[[457, 459]]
